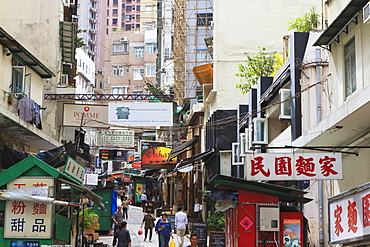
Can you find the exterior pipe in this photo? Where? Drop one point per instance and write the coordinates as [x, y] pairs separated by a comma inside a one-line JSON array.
[[320, 184]]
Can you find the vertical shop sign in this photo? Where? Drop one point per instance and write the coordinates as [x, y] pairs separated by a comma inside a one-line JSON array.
[[292, 232], [28, 219]]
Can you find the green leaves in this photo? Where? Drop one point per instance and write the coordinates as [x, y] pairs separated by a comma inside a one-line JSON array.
[[262, 64], [305, 23]]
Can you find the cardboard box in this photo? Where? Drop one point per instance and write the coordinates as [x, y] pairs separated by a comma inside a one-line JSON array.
[[95, 236], [95, 226], [96, 219], [89, 231]]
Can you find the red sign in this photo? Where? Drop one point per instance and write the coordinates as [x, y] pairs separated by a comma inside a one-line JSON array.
[[136, 165], [157, 158], [246, 223], [127, 180]]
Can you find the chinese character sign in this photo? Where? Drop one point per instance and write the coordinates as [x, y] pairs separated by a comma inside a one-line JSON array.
[[299, 166], [28, 219], [350, 216], [74, 169]]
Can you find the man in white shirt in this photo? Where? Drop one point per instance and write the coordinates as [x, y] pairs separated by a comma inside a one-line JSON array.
[[181, 220], [143, 200]]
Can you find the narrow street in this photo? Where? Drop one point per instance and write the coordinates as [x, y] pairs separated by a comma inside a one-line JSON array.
[[133, 225]]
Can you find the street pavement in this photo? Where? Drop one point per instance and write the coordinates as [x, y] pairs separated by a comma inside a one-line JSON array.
[[133, 225]]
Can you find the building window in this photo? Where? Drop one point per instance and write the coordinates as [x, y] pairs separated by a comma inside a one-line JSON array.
[[138, 74], [115, 2], [107, 12], [137, 17], [150, 70], [115, 11], [128, 27], [114, 21], [128, 8], [127, 68], [120, 48], [350, 67], [101, 85], [107, 22], [117, 90], [150, 48], [139, 52], [138, 8], [117, 70], [148, 8], [204, 19], [18, 78], [128, 18], [137, 26]]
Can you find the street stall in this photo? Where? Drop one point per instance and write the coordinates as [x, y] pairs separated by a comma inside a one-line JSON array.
[[265, 214], [36, 207]]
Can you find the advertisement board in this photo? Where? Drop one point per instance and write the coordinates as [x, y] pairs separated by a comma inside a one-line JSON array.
[[115, 138], [140, 114], [83, 115]]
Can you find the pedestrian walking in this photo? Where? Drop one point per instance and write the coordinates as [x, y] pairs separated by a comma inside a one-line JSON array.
[[125, 205], [143, 200], [165, 231], [148, 222], [194, 239], [117, 218], [122, 235], [156, 231], [181, 220]]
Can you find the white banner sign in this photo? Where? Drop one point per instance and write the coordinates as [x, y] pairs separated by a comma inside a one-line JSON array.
[[115, 138], [74, 169], [28, 219], [350, 217], [298, 166], [140, 114], [95, 116]]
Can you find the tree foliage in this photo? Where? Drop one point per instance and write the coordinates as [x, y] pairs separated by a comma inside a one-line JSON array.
[[216, 220], [262, 64], [305, 23]]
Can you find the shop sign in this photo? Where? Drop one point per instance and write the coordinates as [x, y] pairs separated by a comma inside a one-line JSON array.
[[157, 158], [25, 244], [140, 114], [115, 138], [350, 217], [83, 115], [74, 169], [297, 166], [28, 219]]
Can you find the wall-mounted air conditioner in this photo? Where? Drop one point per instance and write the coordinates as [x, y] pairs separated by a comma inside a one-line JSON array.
[[260, 131], [124, 39], [366, 13], [211, 23], [285, 109]]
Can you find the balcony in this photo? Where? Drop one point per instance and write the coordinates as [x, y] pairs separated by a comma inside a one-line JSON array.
[[92, 20]]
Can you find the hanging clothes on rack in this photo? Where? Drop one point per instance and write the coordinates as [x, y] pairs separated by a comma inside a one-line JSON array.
[[29, 110]]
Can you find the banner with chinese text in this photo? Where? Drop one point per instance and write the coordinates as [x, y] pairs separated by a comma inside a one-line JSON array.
[[28, 219], [350, 217], [298, 166]]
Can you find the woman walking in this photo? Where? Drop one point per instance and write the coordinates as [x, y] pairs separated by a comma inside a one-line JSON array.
[[125, 205], [148, 222], [165, 231]]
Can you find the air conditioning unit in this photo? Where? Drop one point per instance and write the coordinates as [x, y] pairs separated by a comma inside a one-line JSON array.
[[366, 13], [123, 165], [64, 79], [124, 39], [210, 23]]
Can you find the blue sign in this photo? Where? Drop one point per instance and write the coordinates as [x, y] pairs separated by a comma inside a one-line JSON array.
[[24, 244]]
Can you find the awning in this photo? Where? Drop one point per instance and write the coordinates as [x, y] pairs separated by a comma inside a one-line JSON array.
[[340, 23], [67, 32], [204, 73], [91, 195], [158, 94], [198, 157], [233, 184], [23, 55], [183, 147]]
